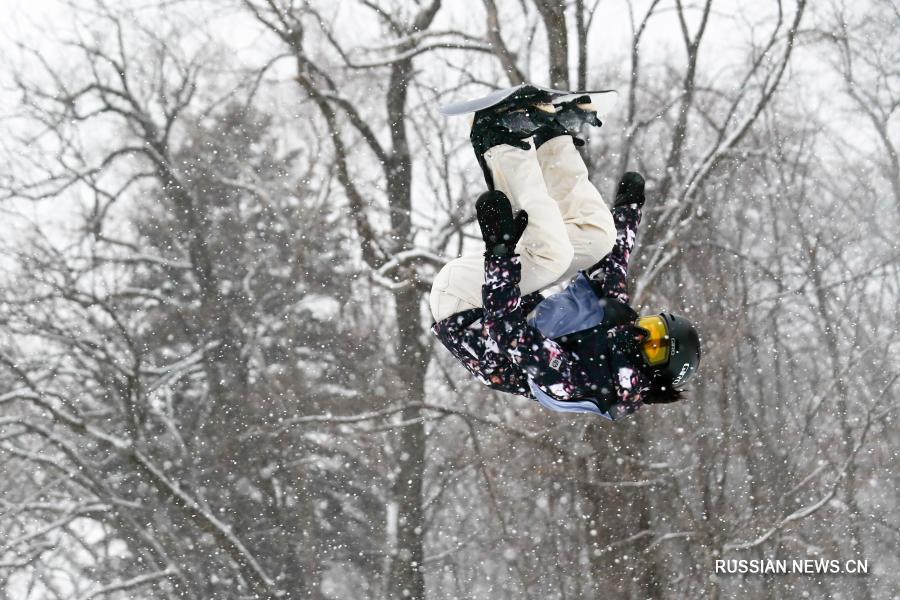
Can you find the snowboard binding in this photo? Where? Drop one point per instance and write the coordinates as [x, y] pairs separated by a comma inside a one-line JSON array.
[[510, 123], [570, 118], [573, 115], [511, 116]]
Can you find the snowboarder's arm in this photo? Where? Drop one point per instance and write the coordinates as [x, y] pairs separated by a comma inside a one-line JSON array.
[[472, 347], [632, 385], [543, 360], [611, 272]]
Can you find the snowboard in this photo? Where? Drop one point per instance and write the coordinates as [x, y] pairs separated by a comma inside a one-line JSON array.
[[604, 100]]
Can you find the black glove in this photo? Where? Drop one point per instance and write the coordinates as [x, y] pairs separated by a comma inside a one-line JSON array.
[[499, 229], [631, 189]]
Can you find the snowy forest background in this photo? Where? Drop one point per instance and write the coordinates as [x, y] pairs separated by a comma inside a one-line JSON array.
[[220, 221]]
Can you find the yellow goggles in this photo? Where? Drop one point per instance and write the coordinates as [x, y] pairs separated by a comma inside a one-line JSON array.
[[656, 346]]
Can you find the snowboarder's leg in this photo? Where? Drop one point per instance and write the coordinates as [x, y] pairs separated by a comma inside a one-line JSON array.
[[588, 220], [544, 247], [545, 250], [457, 287]]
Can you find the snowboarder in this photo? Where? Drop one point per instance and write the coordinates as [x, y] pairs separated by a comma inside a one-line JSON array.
[[583, 349]]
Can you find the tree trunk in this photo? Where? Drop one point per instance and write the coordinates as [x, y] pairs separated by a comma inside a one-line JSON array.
[[406, 578], [827, 330], [554, 19]]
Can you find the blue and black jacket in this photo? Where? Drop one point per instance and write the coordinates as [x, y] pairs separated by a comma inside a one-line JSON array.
[[580, 349]]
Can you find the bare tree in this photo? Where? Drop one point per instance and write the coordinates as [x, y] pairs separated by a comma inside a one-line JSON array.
[[216, 376], [175, 359]]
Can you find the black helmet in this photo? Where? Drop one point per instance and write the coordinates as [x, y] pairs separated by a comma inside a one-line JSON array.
[[672, 347]]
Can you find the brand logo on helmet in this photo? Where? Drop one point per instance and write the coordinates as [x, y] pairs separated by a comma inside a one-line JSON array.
[[681, 374]]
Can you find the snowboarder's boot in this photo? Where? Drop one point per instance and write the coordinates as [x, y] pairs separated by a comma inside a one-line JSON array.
[[510, 124], [571, 117]]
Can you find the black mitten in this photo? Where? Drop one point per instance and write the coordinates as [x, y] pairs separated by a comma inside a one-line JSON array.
[[500, 230], [631, 189]]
